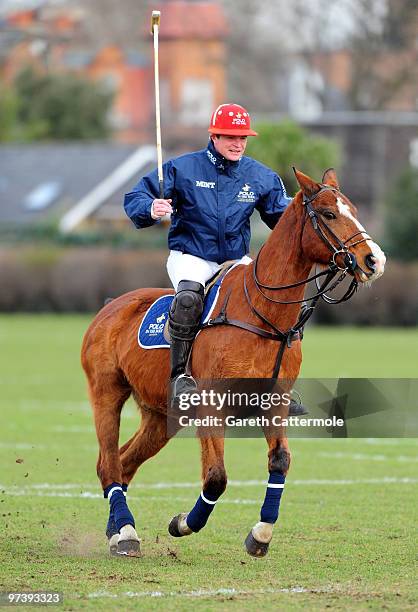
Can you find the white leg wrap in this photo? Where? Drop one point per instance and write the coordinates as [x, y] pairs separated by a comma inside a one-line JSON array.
[[128, 533], [263, 532], [113, 543], [183, 526]]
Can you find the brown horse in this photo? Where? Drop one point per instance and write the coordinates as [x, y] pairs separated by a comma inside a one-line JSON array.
[[319, 226]]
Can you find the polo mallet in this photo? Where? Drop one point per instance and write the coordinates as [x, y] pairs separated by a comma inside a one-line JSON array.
[[155, 24]]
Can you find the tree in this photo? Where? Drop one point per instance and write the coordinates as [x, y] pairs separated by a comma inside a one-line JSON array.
[[384, 51], [283, 145], [61, 107], [260, 38], [401, 220], [130, 23], [9, 107]]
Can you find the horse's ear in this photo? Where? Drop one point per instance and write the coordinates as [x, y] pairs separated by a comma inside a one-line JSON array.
[[330, 178], [309, 187]]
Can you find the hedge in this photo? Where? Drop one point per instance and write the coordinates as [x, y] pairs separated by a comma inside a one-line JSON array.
[[57, 279]]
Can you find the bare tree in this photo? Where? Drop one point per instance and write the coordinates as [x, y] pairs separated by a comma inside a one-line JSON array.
[[383, 50], [264, 37], [258, 42], [263, 40], [123, 23]]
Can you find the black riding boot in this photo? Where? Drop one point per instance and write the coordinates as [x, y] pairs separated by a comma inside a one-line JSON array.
[[180, 382], [297, 409], [185, 313]]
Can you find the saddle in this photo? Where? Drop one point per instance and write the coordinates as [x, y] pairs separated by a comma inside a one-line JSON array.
[[153, 331], [221, 272], [208, 286]]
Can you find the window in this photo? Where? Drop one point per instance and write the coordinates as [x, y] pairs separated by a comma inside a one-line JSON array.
[[196, 102], [42, 196], [413, 153]]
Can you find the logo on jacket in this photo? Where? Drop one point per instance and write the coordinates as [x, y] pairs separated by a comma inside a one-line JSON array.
[[210, 185], [212, 158], [246, 194]]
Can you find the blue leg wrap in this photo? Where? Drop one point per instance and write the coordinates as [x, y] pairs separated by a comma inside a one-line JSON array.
[[270, 509], [111, 525], [120, 514], [198, 517]]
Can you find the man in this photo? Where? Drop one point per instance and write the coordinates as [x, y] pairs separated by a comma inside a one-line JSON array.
[[210, 195]]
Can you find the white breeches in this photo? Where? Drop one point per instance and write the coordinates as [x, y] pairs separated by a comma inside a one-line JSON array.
[[181, 266]]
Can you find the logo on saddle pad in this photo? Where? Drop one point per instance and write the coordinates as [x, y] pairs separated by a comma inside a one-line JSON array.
[[154, 329], [246, 194]]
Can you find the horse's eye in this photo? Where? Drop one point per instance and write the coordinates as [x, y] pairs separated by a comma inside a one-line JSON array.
[[328, 214]]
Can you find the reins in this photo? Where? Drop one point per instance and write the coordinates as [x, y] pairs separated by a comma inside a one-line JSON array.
[[329, 284]]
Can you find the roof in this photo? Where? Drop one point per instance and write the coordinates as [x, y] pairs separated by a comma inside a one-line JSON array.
[[11, 7], [43, 181], [119, 177], [202, 20]]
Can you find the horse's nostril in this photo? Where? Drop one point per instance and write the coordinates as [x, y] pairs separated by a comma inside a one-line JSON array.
[[370, 262]]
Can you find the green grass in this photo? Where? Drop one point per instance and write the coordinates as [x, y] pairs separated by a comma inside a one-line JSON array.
[[344, 546]]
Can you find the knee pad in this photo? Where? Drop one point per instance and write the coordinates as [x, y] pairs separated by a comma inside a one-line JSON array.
[[186, 310]]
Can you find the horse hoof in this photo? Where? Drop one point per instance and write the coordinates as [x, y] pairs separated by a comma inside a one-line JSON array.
[[173, 528], [113, 544], [128, 548], [255, 548], [178, 526], [128, 543]]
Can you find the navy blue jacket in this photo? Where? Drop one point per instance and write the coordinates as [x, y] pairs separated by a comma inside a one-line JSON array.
[[213, 200]]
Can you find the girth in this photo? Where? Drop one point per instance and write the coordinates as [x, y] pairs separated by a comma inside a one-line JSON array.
[[285, 338]]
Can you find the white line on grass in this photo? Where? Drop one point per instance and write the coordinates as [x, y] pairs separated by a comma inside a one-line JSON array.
[[23, 445], [89, 495], [366, 457], [34, 446], [46, 486], [389, 441], [72, 429], [201, 593], [53, 404], [61, 406], [314, 481]]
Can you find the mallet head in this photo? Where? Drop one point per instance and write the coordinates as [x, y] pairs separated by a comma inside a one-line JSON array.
[[155, 20]]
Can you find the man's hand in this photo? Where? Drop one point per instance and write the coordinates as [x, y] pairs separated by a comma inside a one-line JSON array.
[[160, 208]]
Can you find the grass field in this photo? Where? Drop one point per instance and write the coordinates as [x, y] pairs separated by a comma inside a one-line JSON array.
[[346, 537]]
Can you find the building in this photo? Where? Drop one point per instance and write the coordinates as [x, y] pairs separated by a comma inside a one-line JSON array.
[[75, 186], [192, 62]]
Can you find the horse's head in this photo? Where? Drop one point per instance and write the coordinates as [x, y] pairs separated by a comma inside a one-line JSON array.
[[332, 233]]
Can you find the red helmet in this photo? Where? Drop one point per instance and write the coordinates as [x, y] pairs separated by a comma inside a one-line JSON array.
[[231, 120]]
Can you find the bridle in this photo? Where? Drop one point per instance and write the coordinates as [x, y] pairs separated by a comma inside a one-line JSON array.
[[344, 248], [350, 261], [338, 249]]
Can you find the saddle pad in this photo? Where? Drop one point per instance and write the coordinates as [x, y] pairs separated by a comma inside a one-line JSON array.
[[151, 330]]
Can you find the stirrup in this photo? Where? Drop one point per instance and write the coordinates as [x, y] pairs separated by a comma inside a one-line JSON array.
[[184, 384], [297, 408]]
